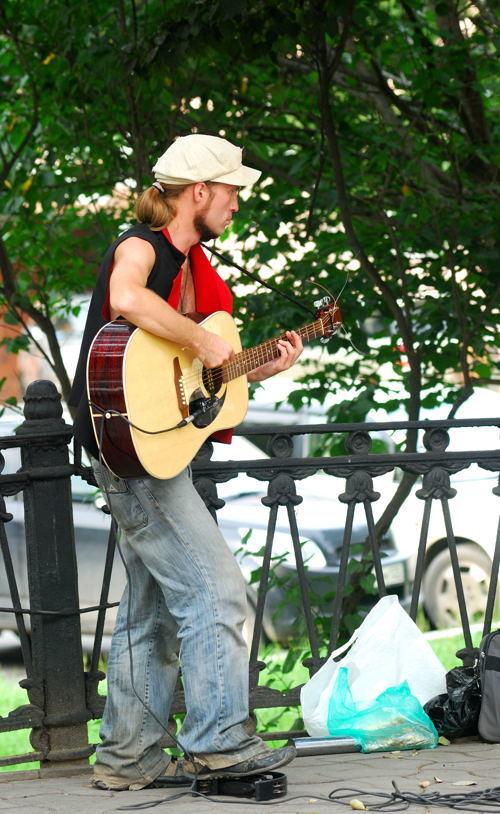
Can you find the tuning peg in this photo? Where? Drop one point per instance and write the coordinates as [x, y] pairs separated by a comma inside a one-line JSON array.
[[322, 302]]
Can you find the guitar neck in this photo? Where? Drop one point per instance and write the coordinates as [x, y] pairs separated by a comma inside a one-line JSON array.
[[252, 358]]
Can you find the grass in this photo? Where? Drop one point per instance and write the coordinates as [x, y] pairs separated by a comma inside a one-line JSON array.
[[17, 742], [283, 671], [275, 676], [446, 648]]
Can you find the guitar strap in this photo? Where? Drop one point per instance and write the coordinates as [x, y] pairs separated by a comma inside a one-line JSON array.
[[257, 279], [211, 291]]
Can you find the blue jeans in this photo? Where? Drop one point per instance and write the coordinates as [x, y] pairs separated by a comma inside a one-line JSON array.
[[187, 609]]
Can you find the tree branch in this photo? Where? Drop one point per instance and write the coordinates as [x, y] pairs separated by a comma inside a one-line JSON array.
[[8, 163], [469, 102], [19, 306], [345, 208]]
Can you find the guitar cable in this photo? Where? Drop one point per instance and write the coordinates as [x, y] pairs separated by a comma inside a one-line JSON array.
[[108, 413], [475, 802], [146, 706]]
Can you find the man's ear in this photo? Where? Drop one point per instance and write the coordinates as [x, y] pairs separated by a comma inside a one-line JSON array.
[[200, 192]]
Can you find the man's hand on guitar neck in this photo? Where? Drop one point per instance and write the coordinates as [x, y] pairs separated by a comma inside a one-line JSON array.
[[289, 350]]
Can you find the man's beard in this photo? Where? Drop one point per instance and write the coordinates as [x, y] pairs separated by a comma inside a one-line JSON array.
[[200, 223], [203, 229]]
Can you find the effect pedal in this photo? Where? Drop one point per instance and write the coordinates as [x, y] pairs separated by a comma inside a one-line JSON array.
[[260, 786]]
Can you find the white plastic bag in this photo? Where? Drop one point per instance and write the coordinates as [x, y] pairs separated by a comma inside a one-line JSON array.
[[386, 649]]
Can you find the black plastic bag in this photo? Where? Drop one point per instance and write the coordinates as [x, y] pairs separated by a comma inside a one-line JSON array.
[[456, 712]]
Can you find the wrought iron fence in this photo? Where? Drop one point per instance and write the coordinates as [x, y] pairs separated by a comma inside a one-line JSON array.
[[63, 696]]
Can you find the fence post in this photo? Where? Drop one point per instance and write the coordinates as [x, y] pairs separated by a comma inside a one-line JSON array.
[[53, 581]]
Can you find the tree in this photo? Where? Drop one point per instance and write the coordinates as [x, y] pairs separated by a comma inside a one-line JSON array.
[[372, 123]]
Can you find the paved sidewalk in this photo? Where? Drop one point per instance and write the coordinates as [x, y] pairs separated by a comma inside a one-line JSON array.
[[311, 777]]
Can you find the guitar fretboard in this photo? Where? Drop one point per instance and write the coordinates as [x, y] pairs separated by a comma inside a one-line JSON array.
[[250, 359]]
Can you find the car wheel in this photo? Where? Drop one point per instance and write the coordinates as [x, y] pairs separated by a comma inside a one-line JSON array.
[[440, 596]]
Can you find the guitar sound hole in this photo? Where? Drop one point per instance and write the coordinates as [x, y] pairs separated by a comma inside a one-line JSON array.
[[212, 379]]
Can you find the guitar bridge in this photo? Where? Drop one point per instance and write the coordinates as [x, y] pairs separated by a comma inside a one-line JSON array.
[[179, 389]]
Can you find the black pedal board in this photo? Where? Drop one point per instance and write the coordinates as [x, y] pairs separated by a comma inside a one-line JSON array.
[[261, 786]]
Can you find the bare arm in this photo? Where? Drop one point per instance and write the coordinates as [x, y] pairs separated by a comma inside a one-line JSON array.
[[129, 298]]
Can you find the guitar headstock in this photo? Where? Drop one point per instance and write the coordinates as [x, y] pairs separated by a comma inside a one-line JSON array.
[[330, 315]]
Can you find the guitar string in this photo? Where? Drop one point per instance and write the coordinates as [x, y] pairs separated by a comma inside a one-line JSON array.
[[249, 360], [267, 349], [263, 348], [232, 369], [239, 367], [110, 413]]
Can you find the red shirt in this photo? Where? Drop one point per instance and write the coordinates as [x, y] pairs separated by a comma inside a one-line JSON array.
[[211, 294]]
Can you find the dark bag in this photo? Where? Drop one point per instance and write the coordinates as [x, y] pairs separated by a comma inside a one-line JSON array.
[[455, 713], [489, 675]]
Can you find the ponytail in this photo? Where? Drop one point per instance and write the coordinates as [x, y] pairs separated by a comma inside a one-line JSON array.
[[156, 205]]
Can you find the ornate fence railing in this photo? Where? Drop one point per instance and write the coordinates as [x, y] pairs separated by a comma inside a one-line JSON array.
[[322, 543]]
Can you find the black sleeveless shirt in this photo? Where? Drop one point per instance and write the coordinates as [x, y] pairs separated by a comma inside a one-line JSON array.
[[167, 265]]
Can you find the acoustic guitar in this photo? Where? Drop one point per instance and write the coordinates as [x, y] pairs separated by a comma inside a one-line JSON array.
[[153, 404]]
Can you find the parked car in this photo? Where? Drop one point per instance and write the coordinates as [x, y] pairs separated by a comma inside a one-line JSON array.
[[474, 510], [320, 521], [243, 521]]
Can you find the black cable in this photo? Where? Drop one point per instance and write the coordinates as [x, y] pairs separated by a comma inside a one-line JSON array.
[[109, 413], [217, 798], [129, 641], [336, 796], [390, 801], [64, 612], [257, 279], [400, 800], [131, 661]]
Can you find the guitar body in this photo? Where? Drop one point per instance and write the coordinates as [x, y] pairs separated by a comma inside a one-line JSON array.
[[156, 384]]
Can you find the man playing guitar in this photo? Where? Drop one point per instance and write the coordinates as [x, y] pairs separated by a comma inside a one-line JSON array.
[[186, 605]]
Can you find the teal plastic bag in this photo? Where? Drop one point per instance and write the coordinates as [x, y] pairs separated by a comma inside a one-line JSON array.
[[394, 720]]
